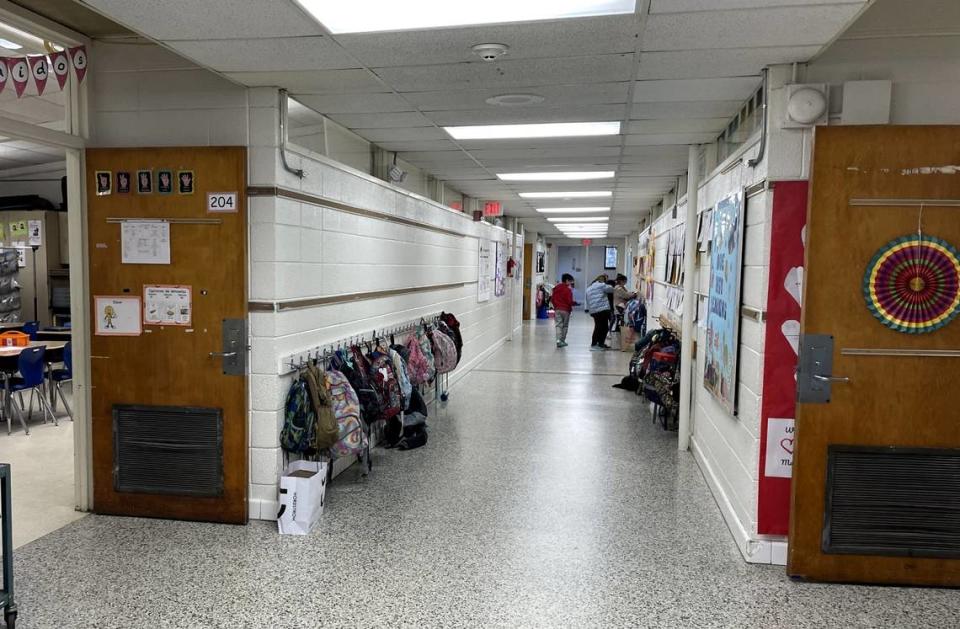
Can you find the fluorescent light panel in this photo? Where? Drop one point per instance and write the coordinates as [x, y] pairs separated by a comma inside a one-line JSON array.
[[572, 210], [367, 16], [557, 176], [566, 195], [539, 130], [579, 219]]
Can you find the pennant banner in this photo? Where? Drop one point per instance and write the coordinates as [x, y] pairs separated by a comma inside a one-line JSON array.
[[39, 71], [19, 73], [78, 56], [4, 73], [60, 64]]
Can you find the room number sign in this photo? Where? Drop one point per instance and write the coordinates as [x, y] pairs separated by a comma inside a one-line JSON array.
[[221, 201]]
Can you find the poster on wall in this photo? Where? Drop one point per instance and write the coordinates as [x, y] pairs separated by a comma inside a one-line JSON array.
[[723, 312], [117, 315], [145, 242], [780, 348], [484, 276], [35, 233], [499, 283], [167, 305]]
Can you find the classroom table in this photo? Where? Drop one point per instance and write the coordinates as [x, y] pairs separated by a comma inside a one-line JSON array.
[[8, 367], [53, 335]]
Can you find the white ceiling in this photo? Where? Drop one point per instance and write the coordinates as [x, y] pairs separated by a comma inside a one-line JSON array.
[[674, 73]]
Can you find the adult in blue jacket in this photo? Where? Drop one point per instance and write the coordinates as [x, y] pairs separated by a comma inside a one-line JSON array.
[[598, 304]]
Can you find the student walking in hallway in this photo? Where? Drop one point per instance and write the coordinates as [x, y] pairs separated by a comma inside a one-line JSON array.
[[598, 305], [562, 306]]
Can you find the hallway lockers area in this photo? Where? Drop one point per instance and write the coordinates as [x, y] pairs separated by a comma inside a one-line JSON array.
[[284, 287], [567, 507]]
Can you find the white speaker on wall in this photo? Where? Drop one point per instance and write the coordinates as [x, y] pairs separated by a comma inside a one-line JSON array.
[[807, 105]]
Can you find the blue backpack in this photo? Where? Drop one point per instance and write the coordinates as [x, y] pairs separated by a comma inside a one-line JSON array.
[[299, 433]]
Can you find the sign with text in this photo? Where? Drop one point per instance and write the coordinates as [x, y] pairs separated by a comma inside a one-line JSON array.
[[723, 311], [221, 201], [586, 242], [492, 208]]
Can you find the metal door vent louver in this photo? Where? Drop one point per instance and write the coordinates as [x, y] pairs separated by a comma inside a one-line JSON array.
[[892, 501], [168, 450]]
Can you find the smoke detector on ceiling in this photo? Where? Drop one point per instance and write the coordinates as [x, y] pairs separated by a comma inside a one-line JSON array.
[[489, 52]]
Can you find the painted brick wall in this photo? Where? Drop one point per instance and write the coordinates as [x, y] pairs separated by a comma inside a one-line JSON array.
[[304, 250]]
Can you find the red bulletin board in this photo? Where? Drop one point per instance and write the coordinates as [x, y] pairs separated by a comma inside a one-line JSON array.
[[778, 408]]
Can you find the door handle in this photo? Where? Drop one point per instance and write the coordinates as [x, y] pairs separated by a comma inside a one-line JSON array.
[[223, 354], [830, 378]]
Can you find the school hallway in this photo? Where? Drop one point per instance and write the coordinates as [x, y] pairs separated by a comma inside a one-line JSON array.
[[545, 498]]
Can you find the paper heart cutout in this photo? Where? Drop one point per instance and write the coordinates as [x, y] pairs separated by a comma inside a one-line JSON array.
[[791, 331], [787, 444], [794, 283]]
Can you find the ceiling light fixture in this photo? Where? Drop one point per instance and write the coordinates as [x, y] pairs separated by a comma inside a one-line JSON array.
[[537, 130], [558, 176], [572, 210], [389, 15], [577, 194], [579, 219], [515, 100], [9, 45]]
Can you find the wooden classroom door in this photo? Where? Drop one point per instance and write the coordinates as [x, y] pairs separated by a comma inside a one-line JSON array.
[[527, 279], [876, 471], [168, 348]]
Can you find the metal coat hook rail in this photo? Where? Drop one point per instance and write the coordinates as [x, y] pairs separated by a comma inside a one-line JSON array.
[[292, 363]]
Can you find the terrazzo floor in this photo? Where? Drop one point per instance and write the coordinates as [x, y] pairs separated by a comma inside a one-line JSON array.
[[545, 498]]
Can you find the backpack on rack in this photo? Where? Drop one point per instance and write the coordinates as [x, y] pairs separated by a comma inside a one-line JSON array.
[[444, 352], [443, 327], [354, 366], [384, 380], [400, 369], [352, 438], [328, 432], [299, 433], [426, 346], [418, 369], [451, 321]]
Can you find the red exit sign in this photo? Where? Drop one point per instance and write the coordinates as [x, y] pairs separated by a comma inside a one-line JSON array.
[[492, 208], [586, 242]]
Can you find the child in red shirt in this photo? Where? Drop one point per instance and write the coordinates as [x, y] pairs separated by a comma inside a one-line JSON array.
[[562, 306]]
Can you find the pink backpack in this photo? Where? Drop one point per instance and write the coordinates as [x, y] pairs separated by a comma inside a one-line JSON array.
[[418, 369], [444, 352]]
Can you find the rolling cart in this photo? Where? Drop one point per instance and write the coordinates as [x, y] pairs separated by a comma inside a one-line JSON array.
[[6, 532]]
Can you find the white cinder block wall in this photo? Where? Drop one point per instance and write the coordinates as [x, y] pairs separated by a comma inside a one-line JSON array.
[[726, 446], [302, 250]]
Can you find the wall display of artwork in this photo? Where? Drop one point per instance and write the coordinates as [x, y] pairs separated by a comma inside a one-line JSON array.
[[500, 270], [723, 312], [484, 271]]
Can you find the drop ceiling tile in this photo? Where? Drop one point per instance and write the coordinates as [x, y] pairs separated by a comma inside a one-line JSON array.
[[444, 147], [381, 121], [312, 81], [691, 64], [268, 54], [891, 19], [684, 6], [554, 96], [517, 115], [527, 73], [533, 186], [547, 39], [812, 25], [223, 19], [692, 109], [354, 103], [694, 125], [408, 134], [724, 89]]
